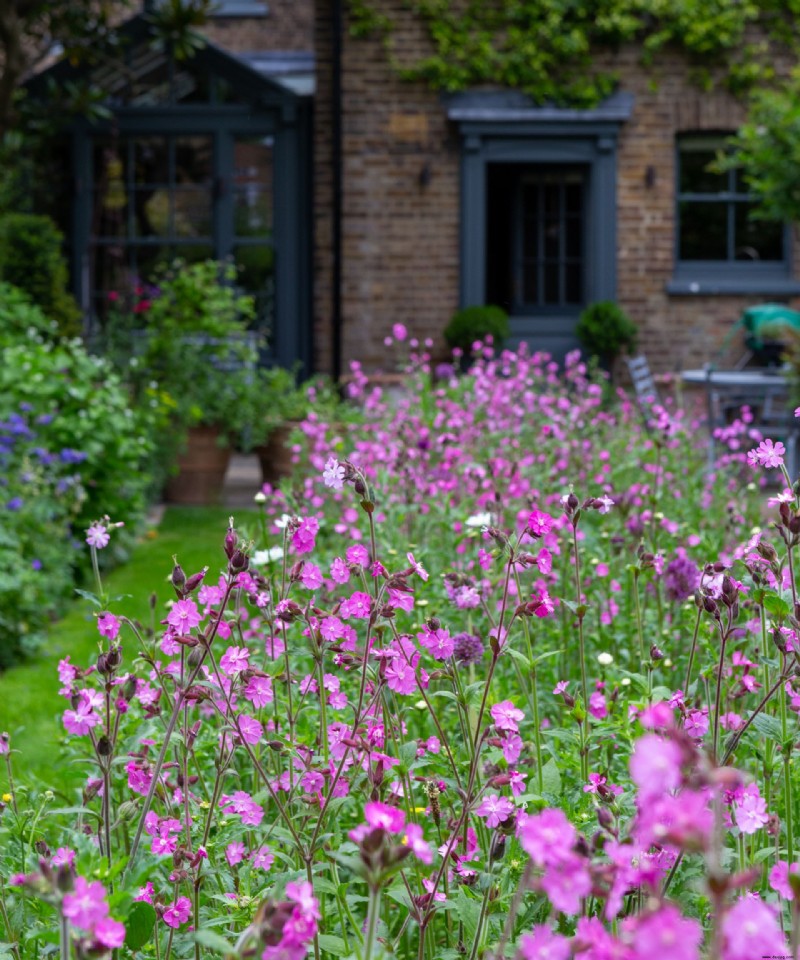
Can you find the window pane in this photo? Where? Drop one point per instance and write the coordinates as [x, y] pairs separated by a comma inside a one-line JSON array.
[[255, 264], [757, 239], [192, 217], [694, 175], [151, 160], [573, 283], [703, 231], [252, 187], [574, 237], [530, 286], [551, 291]]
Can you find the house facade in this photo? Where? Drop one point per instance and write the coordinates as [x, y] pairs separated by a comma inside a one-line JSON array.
[[355, 200]]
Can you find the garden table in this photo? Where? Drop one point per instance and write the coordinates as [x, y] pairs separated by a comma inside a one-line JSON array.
[[765, 391]]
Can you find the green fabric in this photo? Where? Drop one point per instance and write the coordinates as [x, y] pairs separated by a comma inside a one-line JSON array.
[[766, 322]]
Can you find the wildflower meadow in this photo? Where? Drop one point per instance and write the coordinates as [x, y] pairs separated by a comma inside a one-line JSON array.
[[503, 671]]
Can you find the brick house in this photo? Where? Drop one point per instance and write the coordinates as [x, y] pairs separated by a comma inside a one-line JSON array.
[[432, 202]]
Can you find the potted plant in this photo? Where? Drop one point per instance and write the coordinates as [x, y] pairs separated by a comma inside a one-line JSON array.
[[605, 330], [473, 324], [193, 344]]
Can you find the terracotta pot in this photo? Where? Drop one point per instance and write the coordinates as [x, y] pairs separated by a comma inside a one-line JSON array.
[[275, 455], [201, 470]]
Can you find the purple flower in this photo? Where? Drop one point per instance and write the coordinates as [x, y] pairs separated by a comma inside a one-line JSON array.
[[97, 536], [681, 578], [467, 648]]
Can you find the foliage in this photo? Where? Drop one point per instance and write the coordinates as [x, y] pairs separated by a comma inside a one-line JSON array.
[[556, 738], [282, 400], [80, 404], [186, 342], [605, 329], [31, 258], [767, 149], [473, 324], [21, 319], [550, 51]]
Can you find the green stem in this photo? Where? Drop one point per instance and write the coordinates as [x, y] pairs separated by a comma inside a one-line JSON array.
[[373, 914], [693, 651], [787, 773]]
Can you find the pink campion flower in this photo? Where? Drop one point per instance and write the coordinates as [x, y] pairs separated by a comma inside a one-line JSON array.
[[108, 626], [339, 571], [495, 808], [303, 895], [145, 893], [655, 766], [399, 332], [400, 676], [566, 882], [82, 719], [333, 474], [506, 716], [249, 729], [751, 929], [517, 782], [542, 944], [304, 537], [86, 904], [420, 571], [696, 723], [666, 933], [262, 859], [97, 536], [110, 933], [560, 687], [539, 524], [67, 673], [64, 856], [331, 629], [438, 643], [312, 781], [184, 617], [235, 853], [597, 706], [381, 815], [547, 837], [356, 605], [605, 504], [421, 849], [751, 810], [511, 747], [178, 912], [767, 454], [234, 660], [779, 878], [259, 691], [545, 604], [311, 576], [242, 803], [357, 554]]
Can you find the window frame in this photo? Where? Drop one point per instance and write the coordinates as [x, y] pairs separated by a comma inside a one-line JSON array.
[[766, 277]]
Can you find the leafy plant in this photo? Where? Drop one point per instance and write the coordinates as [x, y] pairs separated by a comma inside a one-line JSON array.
[[472, 324], [605, 330]]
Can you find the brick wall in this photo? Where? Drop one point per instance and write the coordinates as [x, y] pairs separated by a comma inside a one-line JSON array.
[[289, 25], [401, 238]]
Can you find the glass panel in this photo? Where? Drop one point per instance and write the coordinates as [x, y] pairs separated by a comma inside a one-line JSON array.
[[530, 291], [151, 160], [573, 283], [192, 216], [530, 238], [552, 238], [574, 237], [573, 198], [252, 187], [194, 161], [694, 175], [551, 284], [152, 212], [756, 239], [255, 264], [703, 231]]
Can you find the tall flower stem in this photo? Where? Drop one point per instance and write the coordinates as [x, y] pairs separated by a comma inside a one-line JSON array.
[[373, 915], [787, 773], [718, 694], [693, 651], [581, 641], [64, 947]]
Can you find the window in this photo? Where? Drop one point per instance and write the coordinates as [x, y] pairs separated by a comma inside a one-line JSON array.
[[239, 8], [720, 247]]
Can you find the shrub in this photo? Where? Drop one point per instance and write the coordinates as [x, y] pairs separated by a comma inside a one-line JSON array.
[[472, 324], [605, 330], [31, 258]]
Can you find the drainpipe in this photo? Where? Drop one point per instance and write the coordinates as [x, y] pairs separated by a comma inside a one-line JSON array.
[[336, 169]]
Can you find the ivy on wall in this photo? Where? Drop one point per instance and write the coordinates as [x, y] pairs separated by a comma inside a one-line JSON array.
[[548, 48]]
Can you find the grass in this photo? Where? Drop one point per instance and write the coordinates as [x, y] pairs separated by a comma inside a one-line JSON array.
[[30, 707]]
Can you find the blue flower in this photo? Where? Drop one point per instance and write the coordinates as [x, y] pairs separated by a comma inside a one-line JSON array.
[[15, 504]]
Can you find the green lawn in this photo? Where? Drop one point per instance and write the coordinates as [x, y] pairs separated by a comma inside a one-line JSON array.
[[30, 707]]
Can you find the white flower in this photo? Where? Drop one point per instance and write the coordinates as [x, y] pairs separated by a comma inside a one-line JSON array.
[[478, 520], [333, 474], [283, 520], [605, 659], [260, 557], [607, 504]]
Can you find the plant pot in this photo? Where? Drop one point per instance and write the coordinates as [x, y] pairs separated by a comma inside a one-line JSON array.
[[275, 455], [201, 470]]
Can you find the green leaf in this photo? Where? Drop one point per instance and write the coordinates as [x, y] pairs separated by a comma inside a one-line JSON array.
[[776, 606], [139, 925], [769, 727], [207, 938], [467, 910], [520, 657], [544, 656], [92, 598], [551, 778], [334, 945]]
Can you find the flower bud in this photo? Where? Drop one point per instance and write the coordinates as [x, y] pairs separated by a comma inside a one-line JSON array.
[[239, 562], [498, 847], [195, 580], [231, 539], [104, 746], [178, 577]]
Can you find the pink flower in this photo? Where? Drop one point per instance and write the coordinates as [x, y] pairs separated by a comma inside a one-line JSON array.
[[262, 859], [495, 808], [779, 878], [542, 944], [178, 913], [603, 504], [111, 933], [547, 837], [566, 882], [751, 810], [311, 576], [438, 643], [304, 538], [381, 815], [86, 905], [399, 332], [597, 706], [108, 626], [539, 524], [767, 454], [655, 766], [400, 676], [333, 474], [235, 853], [357, 554], [339, 572], [356, 605], [259, 691], [506, 716], [419, 846], [234, 660], [250, 729], [64, 856], [420, 571], [666, 933], [146, 893], [184, 616], [97, 536], [80, 720], [303, 895], [750, 929]]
